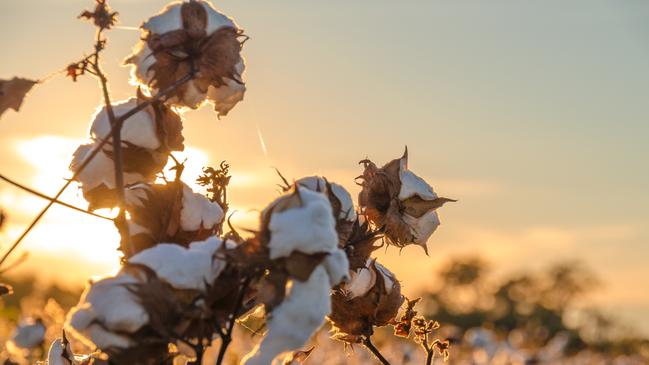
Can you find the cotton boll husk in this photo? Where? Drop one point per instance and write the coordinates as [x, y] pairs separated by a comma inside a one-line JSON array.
[[107, 305], [292, 323], [184, 268], [198, 212], [139, 129], [309, 228]]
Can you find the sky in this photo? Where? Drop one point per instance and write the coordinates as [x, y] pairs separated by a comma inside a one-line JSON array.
[[532, 114]]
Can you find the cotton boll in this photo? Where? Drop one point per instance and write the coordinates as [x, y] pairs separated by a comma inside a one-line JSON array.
[[347, 211], [404, 204], [319, 184], [362, 280], [215, 19], [139, 129], [423, 227], [225, 97], [293, 322], [309, 228], [183, 268], [28, 334], [59, 354], [198, 212], [107, 307], [168, 20], [337, 267], [100, 170]]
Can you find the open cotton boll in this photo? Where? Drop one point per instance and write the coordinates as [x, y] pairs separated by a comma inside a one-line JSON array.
[[318, 183], [106, 309], [225, 97], [309, 228], [186, 36], [362, 280], [168, 20], [28, 334], [337, 266], [139, 129], [100, 170], [183, 268], [388, 276], [292, 323], [423, 227], [198, 212]]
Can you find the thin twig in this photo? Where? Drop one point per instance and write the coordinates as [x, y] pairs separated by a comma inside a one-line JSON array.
[[226, 337], [367, 342], [41, 195], [92, 154]]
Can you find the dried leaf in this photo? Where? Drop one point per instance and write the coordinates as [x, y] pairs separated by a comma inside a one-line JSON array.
[[13, 92]]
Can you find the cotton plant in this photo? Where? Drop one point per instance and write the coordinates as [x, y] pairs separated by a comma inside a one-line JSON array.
[[184, 281]]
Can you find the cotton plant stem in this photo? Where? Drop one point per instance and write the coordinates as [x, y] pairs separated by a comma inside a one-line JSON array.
[[159, 96], [367, 342], [116, 132], [227, 337], [46, 197]]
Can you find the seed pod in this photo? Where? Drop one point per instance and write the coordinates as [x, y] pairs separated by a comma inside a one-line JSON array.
[[185, 35], [371, 298], [394, 198]]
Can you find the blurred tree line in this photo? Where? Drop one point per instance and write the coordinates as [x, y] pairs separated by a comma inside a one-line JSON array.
[[535, 305]]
